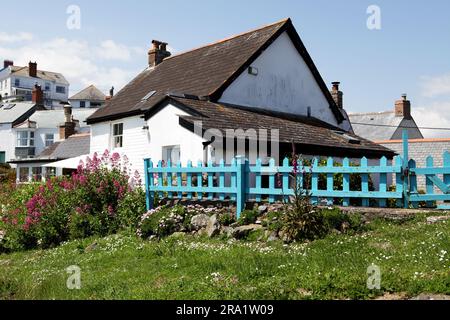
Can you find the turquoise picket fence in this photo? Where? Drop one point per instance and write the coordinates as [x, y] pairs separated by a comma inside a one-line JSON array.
[[241, 182]]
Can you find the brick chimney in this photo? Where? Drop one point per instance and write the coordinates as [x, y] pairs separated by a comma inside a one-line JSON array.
[[338, 96], [7, 63], [32, 69], [68, 127], [403, 107], [157, 53], [37, 96]]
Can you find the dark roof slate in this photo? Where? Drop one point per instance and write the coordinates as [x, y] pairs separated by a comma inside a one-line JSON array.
[[297, 129], [203, 72]]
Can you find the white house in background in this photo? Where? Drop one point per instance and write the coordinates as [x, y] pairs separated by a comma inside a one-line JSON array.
[[17, 83], [12, 114], [90, 97], [262, 79]]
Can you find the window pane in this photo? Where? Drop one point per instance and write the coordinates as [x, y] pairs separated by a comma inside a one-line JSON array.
[[36, 173], [23, 174]]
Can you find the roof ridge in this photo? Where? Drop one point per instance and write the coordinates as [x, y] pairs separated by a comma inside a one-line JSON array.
[[285, 20], [369, 113], [38, 70]]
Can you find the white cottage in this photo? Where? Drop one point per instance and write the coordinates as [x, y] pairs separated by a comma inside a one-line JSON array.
[[259, 80]]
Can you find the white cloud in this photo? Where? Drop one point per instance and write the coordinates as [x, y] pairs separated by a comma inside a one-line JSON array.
[[435, 115], [436, 86], [16, 37], [82, 63]]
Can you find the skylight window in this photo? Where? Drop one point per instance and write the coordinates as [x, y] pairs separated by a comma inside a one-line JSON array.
[[347, 137], [148, 95], [9, 106]]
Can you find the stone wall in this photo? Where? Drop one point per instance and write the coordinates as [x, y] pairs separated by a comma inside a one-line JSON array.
[[419, 150]]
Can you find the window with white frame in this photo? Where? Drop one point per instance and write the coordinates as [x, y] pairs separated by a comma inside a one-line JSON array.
[[117, 135], [60, 89], [24, 173], [47, 86], [17, 82], [36, 173], [25, 139], [49, 139]]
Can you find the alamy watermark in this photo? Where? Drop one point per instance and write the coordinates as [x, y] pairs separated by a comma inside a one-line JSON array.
[[74, 20], [74, 280], [373, 277], [374, 19]]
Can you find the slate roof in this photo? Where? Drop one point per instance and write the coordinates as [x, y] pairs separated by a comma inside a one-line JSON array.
[[53, 118], [16, 113], [298, 129], [44, 75], [91, 93], [203, 72], [380, 126], [74, 146]]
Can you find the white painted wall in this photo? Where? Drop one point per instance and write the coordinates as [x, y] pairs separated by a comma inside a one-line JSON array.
[[136, 144], [284, 83], [7, 141]]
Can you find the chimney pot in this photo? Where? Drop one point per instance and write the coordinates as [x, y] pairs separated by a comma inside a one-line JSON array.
[[338, 96], [403, 107], [68, 128], [158, 53]]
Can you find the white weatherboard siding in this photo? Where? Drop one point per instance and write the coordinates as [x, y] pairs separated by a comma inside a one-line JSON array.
[[135, 141], [284, 83], [165, 130], [138, 143], [7, 141]]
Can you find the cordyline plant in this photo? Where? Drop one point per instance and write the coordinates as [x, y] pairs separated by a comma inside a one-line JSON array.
[[302, 219], [95, 200]]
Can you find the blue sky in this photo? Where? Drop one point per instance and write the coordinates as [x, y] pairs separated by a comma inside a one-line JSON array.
[[410, 54]]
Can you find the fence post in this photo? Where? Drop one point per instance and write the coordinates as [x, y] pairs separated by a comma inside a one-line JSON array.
[[148, 177], [405, 172], [241, 165]]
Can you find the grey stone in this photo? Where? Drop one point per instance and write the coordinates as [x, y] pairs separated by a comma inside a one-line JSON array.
[[91, 247], [262, 209], [199, 221], [243, 231], [273, 236], [177, 235], [227, 230], [213, 227], [432, 220]]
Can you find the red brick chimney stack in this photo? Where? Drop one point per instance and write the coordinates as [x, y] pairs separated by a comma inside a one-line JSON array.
[[403, 107], [338, 96], [68, 127], [7, 63], [157, 53], [32, 69], [37, 96]]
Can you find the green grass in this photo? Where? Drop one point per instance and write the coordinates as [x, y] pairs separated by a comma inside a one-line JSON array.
[[411, 257]]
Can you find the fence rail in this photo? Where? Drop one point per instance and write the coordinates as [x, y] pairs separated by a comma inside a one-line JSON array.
[[330, 182], [241, 182]]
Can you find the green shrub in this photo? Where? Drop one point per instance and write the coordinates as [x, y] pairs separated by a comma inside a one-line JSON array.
[[248, 217], [335, 219], [163, 221], [226, 219], [98, 199], [131, 208]]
